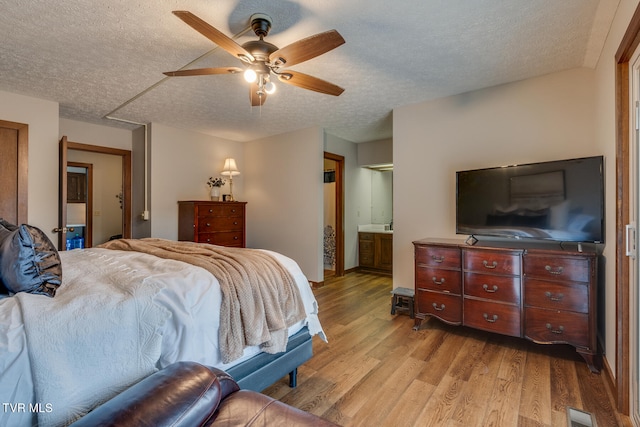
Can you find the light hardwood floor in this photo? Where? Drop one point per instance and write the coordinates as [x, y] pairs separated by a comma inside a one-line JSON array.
[[377, 371]]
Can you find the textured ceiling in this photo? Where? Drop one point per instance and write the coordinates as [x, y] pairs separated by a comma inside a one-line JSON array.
[[98, 58]]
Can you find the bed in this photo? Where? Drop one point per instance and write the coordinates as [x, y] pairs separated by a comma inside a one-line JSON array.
[[119, 312]]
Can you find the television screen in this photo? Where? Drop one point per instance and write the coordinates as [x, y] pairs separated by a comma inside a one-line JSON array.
[[559, 200]]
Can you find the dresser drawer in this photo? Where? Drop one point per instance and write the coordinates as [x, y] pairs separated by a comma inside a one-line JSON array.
[[438, 280], [445, 307], [499, 288], [553, 326], [219, 209], [493, 262], [220, 224], [228, 238], [557, 268], [439, 257], [366, 236], [556, 296], [492, 316]]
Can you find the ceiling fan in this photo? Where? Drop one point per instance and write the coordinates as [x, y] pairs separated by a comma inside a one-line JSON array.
[[264, 59]]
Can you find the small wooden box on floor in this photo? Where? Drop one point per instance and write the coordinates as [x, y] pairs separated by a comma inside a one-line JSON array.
[[218, 223], [544, 293]]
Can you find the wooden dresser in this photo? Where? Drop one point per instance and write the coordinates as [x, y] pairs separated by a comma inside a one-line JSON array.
[[543, 293], [218, 223]]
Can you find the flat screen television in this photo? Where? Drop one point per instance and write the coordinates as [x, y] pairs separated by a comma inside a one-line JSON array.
[[558, 200]]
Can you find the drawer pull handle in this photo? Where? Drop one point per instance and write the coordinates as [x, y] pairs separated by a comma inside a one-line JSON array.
[[435, 306], [235, 222], [208, 240], [493, 265], [558, 331], [437, 259], [553, 297], [233, 211], [552, 271], [491, 319], [208, 225], [493, 289], [235, 237], [210, 210], [436, 281]]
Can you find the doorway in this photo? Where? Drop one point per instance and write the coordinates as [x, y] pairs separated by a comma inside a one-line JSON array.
[[79, 205], [333, 241], [111, 202], [631, 246], [626, 351]]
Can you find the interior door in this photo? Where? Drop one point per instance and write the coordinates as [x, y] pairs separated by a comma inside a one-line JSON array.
[[13, 171], [62, 195]]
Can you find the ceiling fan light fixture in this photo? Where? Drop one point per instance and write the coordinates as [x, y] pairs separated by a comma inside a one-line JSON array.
[[250, 75], [270, 88]]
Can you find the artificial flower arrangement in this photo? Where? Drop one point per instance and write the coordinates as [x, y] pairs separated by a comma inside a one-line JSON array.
[[215, 182]]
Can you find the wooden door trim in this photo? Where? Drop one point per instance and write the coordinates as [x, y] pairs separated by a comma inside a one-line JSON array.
[[627, 47], [339, 210], [23, 169], [126, 178]]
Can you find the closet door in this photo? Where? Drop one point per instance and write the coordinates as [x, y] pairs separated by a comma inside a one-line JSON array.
[[13, 171]]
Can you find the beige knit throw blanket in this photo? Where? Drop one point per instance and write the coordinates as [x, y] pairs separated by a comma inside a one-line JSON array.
[[260, 298]]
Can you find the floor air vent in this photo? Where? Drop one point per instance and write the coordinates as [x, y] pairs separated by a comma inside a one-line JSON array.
[[578, 418]]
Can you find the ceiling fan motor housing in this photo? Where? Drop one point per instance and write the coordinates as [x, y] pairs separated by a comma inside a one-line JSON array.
[[260, 49]]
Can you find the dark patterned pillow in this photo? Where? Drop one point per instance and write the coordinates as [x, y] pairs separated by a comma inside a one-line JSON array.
[[29, 262], [8, 225]]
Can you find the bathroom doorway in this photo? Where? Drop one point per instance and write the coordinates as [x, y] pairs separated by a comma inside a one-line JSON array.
[[333, 241]]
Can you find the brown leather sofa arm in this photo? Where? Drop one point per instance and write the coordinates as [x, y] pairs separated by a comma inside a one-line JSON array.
[[187, 394], [183, 394]]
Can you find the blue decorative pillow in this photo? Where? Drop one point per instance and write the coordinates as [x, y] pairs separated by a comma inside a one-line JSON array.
[[29, 262]]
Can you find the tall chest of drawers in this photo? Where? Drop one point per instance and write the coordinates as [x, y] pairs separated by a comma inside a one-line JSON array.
[[546, 295], [218, 223]]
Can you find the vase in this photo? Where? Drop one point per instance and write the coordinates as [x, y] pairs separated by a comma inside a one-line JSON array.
[[215, 194]]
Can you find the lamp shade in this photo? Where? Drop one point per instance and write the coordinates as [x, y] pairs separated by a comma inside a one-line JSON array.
[[230, 168]]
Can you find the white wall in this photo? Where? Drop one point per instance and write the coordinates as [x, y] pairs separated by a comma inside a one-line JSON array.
[[378, 152], [284, 191], [42, 118], [546, 118], [92, 134], [181, 163]]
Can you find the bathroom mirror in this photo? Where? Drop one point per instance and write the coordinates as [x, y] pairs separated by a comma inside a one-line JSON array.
[[381, 196]]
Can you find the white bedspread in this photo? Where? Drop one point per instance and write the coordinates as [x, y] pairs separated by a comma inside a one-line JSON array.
[[80, 361]]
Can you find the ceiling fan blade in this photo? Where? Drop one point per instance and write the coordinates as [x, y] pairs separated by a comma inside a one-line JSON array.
[[306, 81], [204, 71], [306, 49], [256, 99], [214, 35]]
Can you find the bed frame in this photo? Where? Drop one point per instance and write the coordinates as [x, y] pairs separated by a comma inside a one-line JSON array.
[[264, 369]]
